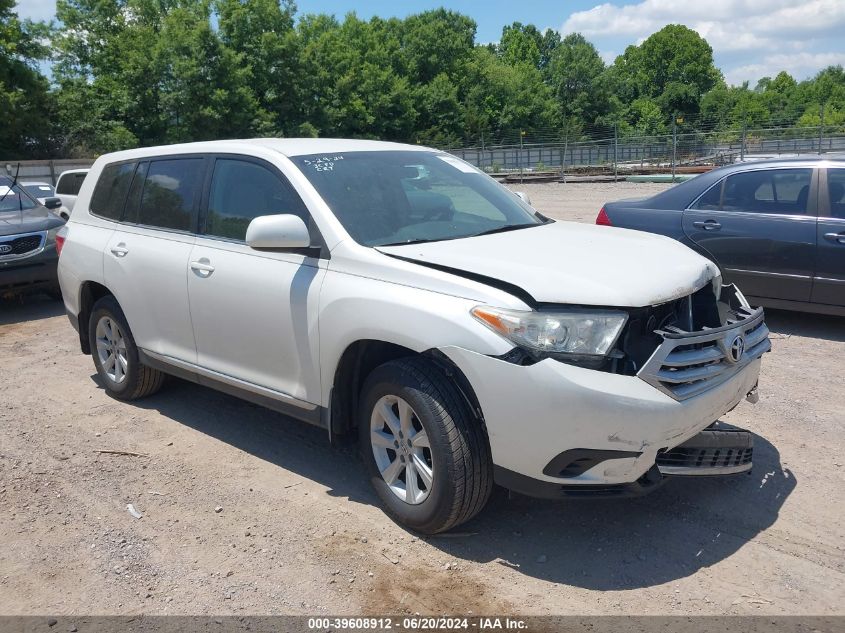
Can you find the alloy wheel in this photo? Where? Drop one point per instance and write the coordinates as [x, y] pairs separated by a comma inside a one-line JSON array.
[[111, 349], [401, 449]]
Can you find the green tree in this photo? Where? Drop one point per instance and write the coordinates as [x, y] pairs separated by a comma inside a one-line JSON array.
[[673, 66], [262, 33], [521, 44], [25, 106], [575, 76]]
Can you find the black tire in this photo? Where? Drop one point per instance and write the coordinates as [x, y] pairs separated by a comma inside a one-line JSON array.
[[459, 448], [139, 381]]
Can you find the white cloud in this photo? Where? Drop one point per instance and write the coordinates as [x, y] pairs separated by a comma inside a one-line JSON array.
[[749, 37], [36, 9], [797, 65]]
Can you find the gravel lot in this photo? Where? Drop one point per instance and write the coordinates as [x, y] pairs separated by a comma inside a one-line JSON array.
[[245, 511]]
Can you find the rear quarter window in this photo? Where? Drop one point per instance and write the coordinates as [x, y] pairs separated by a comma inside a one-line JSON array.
[[110, 192]]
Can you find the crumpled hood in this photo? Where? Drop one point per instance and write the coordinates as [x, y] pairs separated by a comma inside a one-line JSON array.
[[567, 262]]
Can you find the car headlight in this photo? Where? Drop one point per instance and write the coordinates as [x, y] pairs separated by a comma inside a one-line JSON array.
[[573, 333], [51, 234]]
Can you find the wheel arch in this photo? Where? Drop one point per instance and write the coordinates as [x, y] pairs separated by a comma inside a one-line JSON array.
[[89, 293], [360, 358]]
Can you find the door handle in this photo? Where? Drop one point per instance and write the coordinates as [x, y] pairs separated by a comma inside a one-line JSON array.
[[709, 225], [202, 267], [119, 250], [835, 237]]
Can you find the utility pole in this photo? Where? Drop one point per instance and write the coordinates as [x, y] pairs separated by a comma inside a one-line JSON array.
[[674, 143], [742, 141], [482, 150], [821, 126], [616, 151]]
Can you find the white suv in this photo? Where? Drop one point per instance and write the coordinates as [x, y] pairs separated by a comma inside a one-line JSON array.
[[397, 290]]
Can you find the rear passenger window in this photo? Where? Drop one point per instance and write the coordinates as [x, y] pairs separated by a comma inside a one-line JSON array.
[[170, 192], [711, 200], [783, 191], [836, 191], [110, 193], [70, 184], [241, 191]]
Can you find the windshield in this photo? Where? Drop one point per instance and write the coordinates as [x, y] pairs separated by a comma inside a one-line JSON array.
[[14, 198], [401, 197], [39, 190]]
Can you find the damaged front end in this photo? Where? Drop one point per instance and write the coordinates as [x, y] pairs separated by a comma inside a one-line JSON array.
[[710, 341]]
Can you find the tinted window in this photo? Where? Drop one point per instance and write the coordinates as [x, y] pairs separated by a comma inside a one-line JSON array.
[[773, 191], [170, 191], [836, 191], [70, 183], [133, 200], [711, 199], [241, 191], [110, 193]]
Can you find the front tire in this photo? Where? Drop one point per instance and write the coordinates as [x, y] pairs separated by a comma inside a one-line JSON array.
[[116, 355], [427, 456]]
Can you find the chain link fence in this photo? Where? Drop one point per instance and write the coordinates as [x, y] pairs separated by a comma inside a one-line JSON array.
[[666, 153]]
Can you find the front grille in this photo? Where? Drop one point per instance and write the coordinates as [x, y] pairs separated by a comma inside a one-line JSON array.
[[686, 364], [17, 245]]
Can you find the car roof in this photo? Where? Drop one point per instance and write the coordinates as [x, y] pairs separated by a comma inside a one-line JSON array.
[[287, 146], [75, 171], [35, 182]]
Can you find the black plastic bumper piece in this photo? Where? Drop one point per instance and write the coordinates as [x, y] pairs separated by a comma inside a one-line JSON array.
[[577, 461], [551, 490], [713, 452]]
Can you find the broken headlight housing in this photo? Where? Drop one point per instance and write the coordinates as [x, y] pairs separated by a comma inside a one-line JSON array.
[[579, 336]]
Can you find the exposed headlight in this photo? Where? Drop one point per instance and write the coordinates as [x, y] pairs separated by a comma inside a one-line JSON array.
[[571, 332], [51, 234]]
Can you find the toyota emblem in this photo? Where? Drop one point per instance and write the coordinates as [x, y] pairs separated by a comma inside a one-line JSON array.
[[737, 349]]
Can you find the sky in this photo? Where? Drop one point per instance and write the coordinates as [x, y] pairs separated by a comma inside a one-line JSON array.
[[750, 38]]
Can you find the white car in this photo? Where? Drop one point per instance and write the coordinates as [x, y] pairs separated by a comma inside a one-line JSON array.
[[67, 188], [398, 291]]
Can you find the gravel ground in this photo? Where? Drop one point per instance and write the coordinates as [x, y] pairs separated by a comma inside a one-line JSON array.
[[247, 512]]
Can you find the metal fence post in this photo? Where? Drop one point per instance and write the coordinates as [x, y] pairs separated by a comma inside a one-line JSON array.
[[821, 126], [674, 143], [615, 152]]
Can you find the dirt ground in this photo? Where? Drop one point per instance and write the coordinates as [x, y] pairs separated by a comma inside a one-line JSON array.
[[247, 512]]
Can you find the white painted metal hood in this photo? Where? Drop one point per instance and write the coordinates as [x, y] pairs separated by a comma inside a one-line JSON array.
[[572, 263]]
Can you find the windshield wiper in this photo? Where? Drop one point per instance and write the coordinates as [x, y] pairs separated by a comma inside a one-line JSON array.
[[419, 241], [505, 229]]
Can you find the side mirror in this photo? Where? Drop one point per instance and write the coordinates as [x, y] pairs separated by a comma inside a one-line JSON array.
[[524, 197], [278, 231], [52, 203]]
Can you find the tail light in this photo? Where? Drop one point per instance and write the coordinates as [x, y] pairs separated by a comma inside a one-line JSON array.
[[602, 218], [61, 236]]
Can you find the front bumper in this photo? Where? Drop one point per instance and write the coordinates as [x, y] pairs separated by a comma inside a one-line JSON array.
[[30, 272], [534, 413]]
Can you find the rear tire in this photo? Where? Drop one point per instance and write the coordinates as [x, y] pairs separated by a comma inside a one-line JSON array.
[[417, 432], [116, 355]]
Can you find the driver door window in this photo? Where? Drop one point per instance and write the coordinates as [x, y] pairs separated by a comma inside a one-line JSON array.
[[242, 191]]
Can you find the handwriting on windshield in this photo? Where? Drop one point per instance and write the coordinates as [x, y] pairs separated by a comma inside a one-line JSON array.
[[323, 163]]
